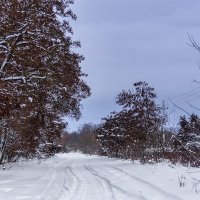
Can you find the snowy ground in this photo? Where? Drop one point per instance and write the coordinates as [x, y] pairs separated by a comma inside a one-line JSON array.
[[75, 176]]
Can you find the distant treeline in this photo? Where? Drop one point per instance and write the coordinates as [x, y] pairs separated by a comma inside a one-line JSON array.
[[138, 132]]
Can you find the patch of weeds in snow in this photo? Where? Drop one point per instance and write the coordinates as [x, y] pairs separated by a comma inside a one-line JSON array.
[[196, 185], [182, 180], [195, 181]]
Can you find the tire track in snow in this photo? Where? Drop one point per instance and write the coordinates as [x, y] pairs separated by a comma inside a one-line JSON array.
[[78, 184], [64, 187], [68, 189], [165, 194], [42, 196], [89, 186], [108, 185], [56, 188], [112, 186]]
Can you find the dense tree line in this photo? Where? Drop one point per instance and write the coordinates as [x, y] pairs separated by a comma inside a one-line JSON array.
[[40, 76], [137, 131], [41, 80], [187, 141], [84, 140]]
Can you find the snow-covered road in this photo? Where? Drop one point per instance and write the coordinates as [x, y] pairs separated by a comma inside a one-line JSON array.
[[78, 177]]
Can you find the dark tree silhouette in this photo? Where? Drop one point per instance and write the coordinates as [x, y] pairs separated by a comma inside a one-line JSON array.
[[40, 74], [189, 134], [131, 131], [83, 140]]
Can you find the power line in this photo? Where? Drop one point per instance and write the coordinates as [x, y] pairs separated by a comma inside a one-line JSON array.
[[183, 98], [188, 93], [196, 98], [179, 107]]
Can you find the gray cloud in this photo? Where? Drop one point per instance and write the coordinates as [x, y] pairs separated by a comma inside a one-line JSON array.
[[131, 40]]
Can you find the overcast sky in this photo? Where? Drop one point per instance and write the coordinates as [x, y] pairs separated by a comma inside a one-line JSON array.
[[138, 40]]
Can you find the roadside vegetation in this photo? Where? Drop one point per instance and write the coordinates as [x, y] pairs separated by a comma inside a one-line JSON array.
[[41, 81]]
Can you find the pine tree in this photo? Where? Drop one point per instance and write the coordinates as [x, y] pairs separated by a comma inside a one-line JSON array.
[[189, 134], [129, 132]]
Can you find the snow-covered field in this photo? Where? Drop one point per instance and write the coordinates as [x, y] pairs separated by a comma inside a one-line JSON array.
[[76, 176]]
